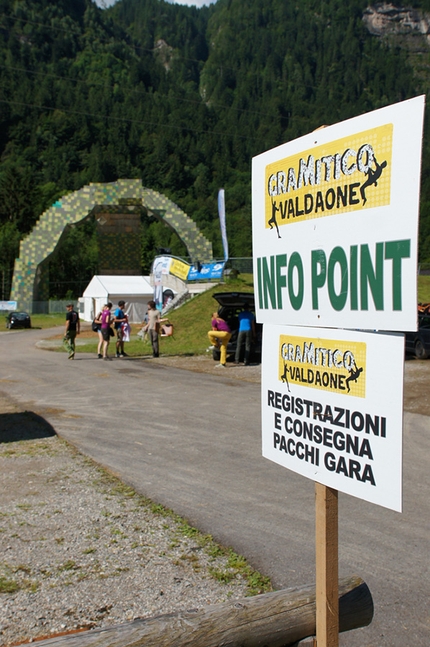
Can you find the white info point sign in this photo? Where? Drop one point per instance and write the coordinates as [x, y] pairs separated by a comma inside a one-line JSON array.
[[328, 410], [335, 223]]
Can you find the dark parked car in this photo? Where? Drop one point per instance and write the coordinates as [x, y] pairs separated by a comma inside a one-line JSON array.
[[18, 320], [229, 306], [418, 343]]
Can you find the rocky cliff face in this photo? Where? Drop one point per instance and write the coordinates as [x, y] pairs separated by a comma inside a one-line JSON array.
[[409, 27]]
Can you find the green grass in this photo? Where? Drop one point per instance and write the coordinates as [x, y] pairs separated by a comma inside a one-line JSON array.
[[226, 564], [423, 289], [192, 322], [48, 321], [8, 586], [41, 321]]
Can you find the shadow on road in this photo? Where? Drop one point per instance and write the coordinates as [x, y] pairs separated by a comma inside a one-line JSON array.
[[23, 426]]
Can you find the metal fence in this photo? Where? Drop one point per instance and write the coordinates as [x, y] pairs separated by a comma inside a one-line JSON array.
[[242, 264], [424, 268], [46, 307]]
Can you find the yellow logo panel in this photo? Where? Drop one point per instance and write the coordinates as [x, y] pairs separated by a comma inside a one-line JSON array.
[[179, 269], [343, 176], [329, 365]]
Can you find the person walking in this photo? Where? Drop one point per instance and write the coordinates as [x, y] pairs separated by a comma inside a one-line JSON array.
[[219, 337], [73, 328], [245, 334], [153, 327], [97, 328], [105, 329], [119, 319]]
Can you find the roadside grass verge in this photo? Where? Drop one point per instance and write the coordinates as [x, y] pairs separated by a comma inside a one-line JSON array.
[[423, 288], [181, 543], [39, 321], [226, 564]]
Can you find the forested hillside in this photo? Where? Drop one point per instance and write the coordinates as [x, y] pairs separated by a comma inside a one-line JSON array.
[[179, 97]]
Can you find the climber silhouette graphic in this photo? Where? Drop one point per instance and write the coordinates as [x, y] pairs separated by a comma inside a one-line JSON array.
[[354, 374], [284, 377], [273, 220], [372, 178]]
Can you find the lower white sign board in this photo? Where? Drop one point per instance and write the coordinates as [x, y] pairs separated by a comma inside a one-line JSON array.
[[332, 408]]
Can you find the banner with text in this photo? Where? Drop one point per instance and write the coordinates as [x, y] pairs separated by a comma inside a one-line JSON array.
[[8, 305], [332, 408], [335, 223], [206, 271]]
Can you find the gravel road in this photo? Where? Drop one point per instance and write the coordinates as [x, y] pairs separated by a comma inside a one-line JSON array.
[[81, 550]]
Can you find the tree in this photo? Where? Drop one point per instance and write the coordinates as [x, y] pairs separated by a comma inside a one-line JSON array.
[[9, 249]]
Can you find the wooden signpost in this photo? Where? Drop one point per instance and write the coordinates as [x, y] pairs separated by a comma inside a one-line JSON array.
[[327, 587], [327, 564]]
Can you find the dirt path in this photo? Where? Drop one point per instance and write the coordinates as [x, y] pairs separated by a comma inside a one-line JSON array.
[[416, 380], [416, 376]]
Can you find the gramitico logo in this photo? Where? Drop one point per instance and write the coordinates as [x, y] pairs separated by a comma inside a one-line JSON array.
[[343, 176], [325, 364]]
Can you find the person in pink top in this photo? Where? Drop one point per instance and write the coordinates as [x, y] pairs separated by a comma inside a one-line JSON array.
[[105, 321], [219, 336]]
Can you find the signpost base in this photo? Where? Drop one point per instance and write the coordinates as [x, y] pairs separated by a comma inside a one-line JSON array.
[[327, 587]]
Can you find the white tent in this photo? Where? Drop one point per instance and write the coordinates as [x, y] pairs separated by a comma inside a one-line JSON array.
[[136, 291]]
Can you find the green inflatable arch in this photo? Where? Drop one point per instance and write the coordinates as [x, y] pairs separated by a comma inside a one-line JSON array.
[[74, 207]]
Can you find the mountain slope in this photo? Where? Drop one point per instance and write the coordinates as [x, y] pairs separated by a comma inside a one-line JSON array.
[[179, 97]]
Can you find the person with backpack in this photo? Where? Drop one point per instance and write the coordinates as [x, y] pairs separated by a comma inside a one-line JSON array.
[[96, 327], [120, 318], [105, 321], [73, 328]]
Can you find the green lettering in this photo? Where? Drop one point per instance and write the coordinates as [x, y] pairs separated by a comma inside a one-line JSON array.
[[260, 291], [295, 263], [281, 279], [338, 256], [372, 276], [353, 277], [269, 283], [396, 250], [319, 273]]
